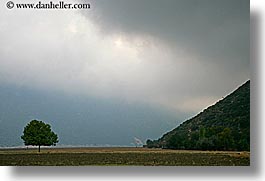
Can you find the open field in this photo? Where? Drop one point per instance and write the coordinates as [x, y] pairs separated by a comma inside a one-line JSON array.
[[120, 157]]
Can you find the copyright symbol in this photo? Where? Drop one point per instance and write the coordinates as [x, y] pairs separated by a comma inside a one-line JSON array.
[[10, 4]]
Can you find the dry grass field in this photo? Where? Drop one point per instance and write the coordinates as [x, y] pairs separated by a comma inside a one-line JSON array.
[[121, 157]]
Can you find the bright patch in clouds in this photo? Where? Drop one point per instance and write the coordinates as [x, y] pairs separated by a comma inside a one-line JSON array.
[[118, 42]]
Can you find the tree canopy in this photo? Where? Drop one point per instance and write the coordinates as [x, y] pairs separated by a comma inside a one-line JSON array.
[[38, 133]]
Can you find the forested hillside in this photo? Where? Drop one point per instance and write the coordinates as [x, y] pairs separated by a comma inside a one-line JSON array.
[[223, 126]]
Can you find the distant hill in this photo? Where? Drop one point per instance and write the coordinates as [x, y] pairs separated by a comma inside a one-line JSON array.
[[223, 126]]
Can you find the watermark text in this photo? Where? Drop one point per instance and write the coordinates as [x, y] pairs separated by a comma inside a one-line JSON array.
[[49, 5]]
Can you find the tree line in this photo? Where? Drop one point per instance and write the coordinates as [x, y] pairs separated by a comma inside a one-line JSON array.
[[212, 138]]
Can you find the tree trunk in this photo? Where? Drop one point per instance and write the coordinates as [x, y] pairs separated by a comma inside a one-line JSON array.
[[39, 148]]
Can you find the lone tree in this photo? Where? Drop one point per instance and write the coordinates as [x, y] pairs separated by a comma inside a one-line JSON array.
[[37, 133]]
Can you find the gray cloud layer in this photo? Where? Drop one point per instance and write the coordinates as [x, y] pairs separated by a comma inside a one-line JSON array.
[[212, 27], [179, 54]]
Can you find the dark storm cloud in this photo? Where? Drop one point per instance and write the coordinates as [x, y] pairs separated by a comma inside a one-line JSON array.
[[216, 31], [212, 28]]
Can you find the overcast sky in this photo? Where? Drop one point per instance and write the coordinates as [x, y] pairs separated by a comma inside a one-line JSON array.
[[181, 55]]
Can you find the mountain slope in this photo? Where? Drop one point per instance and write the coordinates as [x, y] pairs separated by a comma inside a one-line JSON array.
[[223, 126]]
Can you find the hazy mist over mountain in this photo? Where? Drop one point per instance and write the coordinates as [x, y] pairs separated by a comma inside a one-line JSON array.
[[80, 121]]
